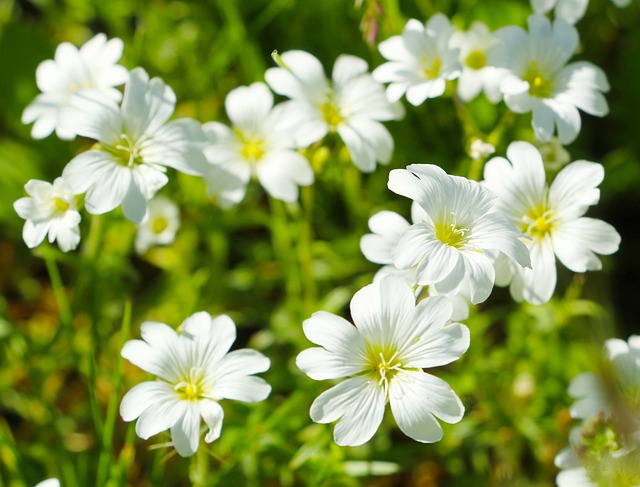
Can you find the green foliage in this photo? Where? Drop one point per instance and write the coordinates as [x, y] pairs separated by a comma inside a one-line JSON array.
[[269, 265]]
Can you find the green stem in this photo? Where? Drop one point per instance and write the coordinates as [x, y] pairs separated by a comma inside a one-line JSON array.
[[282, 244], [106, 455], [304, 248], [198, 468], [64, 310]]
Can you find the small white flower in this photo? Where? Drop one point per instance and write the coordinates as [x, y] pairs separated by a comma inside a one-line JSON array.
[[569, 10], [541, 81], [160, 226], [554, 154], [74, 71], [480, 149], [135, 145], [449, 245], [50, 209], [551, 216], [48, 483], [261, 142], [421, 60], [352, 105], [385, 352], [194, 371], [477, 75]]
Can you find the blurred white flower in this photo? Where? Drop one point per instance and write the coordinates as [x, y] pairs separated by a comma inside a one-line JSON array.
[[50, 209], [551, 216], [48, 483], [385, 352], [135, 145], [480, 149], [352, 105], [569, 10], [477, 75], [74, 71], [541, 81], [554, 154], [421, 60], [160, 226], [194, 371], [603, 450], [621, 3], [261, 142], [449, 245]]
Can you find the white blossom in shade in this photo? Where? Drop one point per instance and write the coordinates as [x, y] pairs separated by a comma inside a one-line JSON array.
[[49, 210], [194, 370], [74, 71], [551, 216], [160, 225], [352, 105], [48, 483], [383, 355], [541, 81], [603, 450], [421, 60], [261, 142], [135, 146], [477, 75], [568, 10], [449, 246]]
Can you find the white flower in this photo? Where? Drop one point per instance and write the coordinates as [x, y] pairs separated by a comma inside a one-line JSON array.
[[569, 10], [541, 81], [621, 3], [554, 154], [551, 216], [48, 483], [352, 104], [477, 75], [194, 371], [50, 209], [261, 142], [136, 144], [385, 352], [160, 226], [480, 150], [74, 71], [449, 245], [421, 60]]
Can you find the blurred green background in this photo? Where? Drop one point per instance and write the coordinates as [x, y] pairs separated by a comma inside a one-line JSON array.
[[270, 265]]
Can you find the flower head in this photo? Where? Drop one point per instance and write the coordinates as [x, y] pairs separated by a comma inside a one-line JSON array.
[[448, 246], [194, 371], [569, 10], [160, 226], [351, 105], [541, 81], [50, 209], [421, 60], [74, 71], [385, 352], [135, 145], [477, 74], [261, 142], [551, 216]]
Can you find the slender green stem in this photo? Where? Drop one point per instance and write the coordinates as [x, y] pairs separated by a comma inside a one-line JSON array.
[[282, 243], [304, 248], [64, 309], [198, 468], [106, 455]]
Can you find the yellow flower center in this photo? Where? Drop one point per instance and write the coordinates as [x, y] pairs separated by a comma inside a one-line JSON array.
[[331, 115], [431, 67], [538, 222], [540, 85], [450, 233], [190, 388], [476, 59], [253, 151], [159, 225], [126, 153], [384, 364], [61, 205]]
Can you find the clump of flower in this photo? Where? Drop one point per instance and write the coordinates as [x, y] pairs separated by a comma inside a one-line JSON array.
[[449, 245], [49, 210], [73, 72], [421, 60], [605, 448], [135, 145], [383, 356], [352, 105], [477, 74], [261, 143], [541, 81], [160, 226], [552, 216], [194, 371]]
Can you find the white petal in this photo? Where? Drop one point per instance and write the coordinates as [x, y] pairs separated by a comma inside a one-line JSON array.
[[332, 332], [536, 285], [387, 227], [280, 172], [185, 433], [108, 192], [348, 68], [178, 144], [249, 106], [358, 402], [301, 78], [34, 233], [143, 396], [576, 241], [479, 271], [213, 337], [212, 414], [161, 416], [543, 121], [319, 364], [575, 188], [415, 398]]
